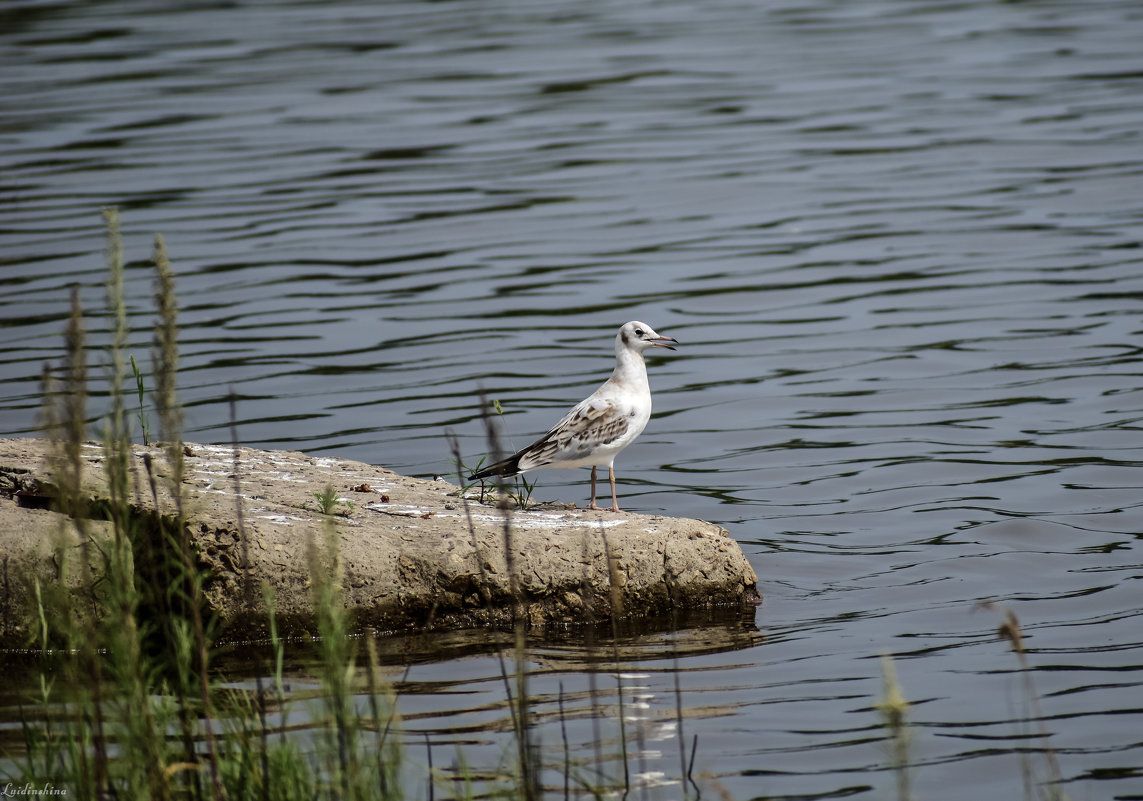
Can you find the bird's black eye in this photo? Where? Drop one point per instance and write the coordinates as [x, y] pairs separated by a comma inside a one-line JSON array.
[[638, 332]]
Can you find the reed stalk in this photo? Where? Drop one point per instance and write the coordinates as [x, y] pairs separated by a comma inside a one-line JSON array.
[[1043, 782], [894, 711], [615, 599], [78, 637], [527, 755], [193, 644]]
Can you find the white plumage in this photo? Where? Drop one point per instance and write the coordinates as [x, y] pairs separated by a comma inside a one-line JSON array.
[[599, 427]]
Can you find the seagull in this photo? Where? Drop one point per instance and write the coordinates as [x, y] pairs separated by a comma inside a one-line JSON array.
[[599, 427]]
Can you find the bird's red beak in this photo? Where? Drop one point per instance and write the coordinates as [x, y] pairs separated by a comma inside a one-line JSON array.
[[660, 342]]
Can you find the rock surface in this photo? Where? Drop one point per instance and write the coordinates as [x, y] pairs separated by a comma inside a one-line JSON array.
[[413, 553]]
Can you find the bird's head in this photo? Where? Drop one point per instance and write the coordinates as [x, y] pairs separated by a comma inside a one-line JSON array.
[[638, 337]]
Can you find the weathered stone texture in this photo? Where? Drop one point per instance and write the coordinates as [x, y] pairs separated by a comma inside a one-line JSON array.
[[413, 554]]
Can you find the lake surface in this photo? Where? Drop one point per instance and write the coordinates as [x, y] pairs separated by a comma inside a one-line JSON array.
[[899, 242]]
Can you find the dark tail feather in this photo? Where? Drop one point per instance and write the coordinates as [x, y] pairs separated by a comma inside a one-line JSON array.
[[505, 468]]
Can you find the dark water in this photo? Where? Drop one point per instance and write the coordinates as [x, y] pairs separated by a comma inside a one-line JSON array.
[[900, 242]]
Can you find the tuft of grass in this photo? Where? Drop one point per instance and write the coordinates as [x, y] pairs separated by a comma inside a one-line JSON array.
[[328, 499], [141, 416], [126, 707], [519, 491]]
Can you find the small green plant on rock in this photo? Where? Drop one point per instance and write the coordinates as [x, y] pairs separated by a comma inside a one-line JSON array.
[[519, 491], [144, 422], [464, 470], [327, 501]]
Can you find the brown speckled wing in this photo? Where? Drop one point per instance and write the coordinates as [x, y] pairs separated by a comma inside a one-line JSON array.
[[588, 426]]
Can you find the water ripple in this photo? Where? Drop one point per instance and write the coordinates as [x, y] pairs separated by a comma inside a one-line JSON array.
[[900, 243]]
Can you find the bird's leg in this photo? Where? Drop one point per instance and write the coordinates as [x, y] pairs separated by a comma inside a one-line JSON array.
[[614, 499], [592, 504]]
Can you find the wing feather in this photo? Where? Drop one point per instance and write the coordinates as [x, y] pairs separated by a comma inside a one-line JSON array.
[[591, 424]]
